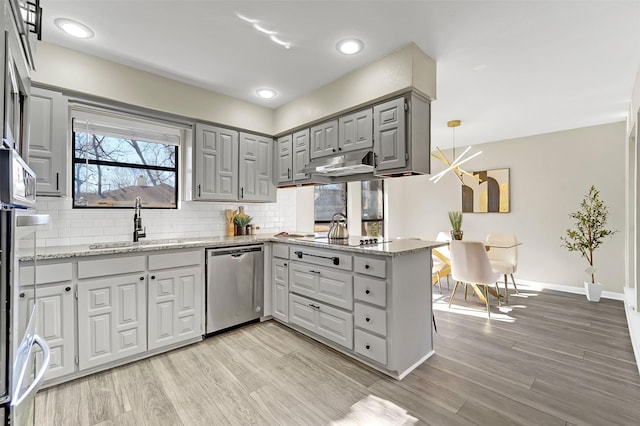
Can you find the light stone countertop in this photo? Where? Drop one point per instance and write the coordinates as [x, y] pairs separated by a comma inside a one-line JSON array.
[[396, 247]]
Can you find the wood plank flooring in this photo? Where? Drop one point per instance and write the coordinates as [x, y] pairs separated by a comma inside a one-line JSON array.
[[546, 358]]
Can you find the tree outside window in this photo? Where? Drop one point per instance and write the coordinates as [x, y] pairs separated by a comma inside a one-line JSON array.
[[373, 208], [328, 200]]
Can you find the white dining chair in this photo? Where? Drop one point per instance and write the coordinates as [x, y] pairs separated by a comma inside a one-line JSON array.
[[503, 256], [441, 261], [470, 266]]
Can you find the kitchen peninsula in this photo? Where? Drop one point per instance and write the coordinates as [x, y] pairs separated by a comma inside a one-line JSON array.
[[372, 303]]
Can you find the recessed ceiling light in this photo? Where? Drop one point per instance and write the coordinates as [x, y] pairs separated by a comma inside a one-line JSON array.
[[74, 28], [266, 93], [350, 46]]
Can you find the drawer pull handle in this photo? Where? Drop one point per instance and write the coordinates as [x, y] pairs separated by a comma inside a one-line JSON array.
[[314, 306], [334, 259], [367, 347], [367, 319], [367, 266], [367, 291], [314, 272]]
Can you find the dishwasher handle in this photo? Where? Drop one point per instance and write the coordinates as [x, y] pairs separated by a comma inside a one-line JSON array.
[[234, 251]]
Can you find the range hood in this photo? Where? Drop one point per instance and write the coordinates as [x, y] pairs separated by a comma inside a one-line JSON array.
[[345, 164]]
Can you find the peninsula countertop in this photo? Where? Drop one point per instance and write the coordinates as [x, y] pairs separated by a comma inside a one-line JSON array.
[[392, 248]]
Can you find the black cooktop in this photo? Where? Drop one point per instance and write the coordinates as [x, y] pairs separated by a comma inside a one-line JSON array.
[[354, 241]]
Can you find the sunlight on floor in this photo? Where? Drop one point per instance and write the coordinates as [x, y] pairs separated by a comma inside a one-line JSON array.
[[472, 312], [376, 411]]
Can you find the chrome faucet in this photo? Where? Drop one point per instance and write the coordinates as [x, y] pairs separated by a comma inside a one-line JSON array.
[[138, 230]]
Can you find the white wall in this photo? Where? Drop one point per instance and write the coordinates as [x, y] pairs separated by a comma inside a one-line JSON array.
[[193, 220], [68, 69]]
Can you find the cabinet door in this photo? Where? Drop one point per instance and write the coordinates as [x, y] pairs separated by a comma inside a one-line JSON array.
[[48, 140], [285, 159], [300, 154], [324, 139], [324, 284], [175, 306], [216, 163], [389, 135], [56, 324], [112, 319], [280, 297], [256, 168], [331, 323], [355, 131]]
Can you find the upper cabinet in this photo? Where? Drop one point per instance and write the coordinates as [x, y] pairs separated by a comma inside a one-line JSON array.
[[232, 166], [216, 163], [292, 156], [389, 134], [284, 159], [256, 168], [48, 140], [300, 155], [355, 131], [324, 139]]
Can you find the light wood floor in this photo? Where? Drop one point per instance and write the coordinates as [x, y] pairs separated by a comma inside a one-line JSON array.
[[548, 359]]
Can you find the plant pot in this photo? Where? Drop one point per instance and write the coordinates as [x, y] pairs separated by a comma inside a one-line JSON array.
[[456, 235], [242, 230], [593, 291]]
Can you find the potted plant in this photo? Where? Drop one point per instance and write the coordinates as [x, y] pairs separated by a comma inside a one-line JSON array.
[[455, 217], [587, 235], [241, 222]]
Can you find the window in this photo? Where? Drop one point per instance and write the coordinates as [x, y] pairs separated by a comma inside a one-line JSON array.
[[373, 208], [328, 200], [117, 158]]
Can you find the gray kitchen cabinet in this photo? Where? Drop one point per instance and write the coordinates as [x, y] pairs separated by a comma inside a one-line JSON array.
[[300, 155], [389, 135], [321, 283], [216, 163], [48, 140], [322, 319], [256, 181], [324, 139], [355, 131], [175, 297], [285, 159], [280, 297], [112, 319]]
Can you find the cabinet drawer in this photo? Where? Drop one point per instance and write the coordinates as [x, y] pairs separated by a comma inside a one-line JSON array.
[[332, 258], [369, 266], [280, 250], [46, 274], [175, 259], [111, 266], [370, 318], [324, 284], [370, 290], [331, 323], [371, 346]]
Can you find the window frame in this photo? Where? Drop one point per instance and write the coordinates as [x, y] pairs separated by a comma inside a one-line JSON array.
[[132, 117], [328, 222], [364, 220]]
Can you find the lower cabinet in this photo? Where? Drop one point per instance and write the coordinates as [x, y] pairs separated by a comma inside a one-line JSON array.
[[56, 324], [331, 323], [175, 314], [280, 295], [112, 319]]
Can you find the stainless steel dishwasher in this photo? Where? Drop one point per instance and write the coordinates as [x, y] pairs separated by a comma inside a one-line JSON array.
[[235, 286]]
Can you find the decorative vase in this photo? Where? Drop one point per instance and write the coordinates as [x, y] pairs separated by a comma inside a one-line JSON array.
[[593, 291], [456, 235], [242, 230]]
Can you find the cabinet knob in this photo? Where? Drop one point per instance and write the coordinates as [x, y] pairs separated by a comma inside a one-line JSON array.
[[67, 289], [367, 319], [367, 347], [141, 278], [284, 264], [367, 291], [339, 149], [22, 295], [367, 266], [334, 150], [153, 277]]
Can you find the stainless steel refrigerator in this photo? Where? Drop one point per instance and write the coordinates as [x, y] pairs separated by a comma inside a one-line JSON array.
[[24, 355]]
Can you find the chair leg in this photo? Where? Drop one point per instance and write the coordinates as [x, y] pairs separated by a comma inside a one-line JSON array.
[[465, 291], [498, 293], [448, 288], [439, 284], [513, 281], [506, 290], [486, 295], [455, 287]]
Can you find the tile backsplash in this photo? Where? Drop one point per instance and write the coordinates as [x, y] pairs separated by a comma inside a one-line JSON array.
[[194, 219]]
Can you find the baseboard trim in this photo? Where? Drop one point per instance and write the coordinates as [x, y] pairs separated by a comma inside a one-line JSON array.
[[537, 285]]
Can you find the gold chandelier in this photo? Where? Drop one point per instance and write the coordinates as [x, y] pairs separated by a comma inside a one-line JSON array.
[[457, 161]]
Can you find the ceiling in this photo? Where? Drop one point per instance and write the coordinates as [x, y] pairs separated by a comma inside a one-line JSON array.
[[505, 68]]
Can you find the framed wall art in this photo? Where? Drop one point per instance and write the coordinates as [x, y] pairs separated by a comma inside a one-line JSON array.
[[486, 191]]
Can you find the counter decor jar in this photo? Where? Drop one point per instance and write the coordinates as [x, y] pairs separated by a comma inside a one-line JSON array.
[[242, 220]]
